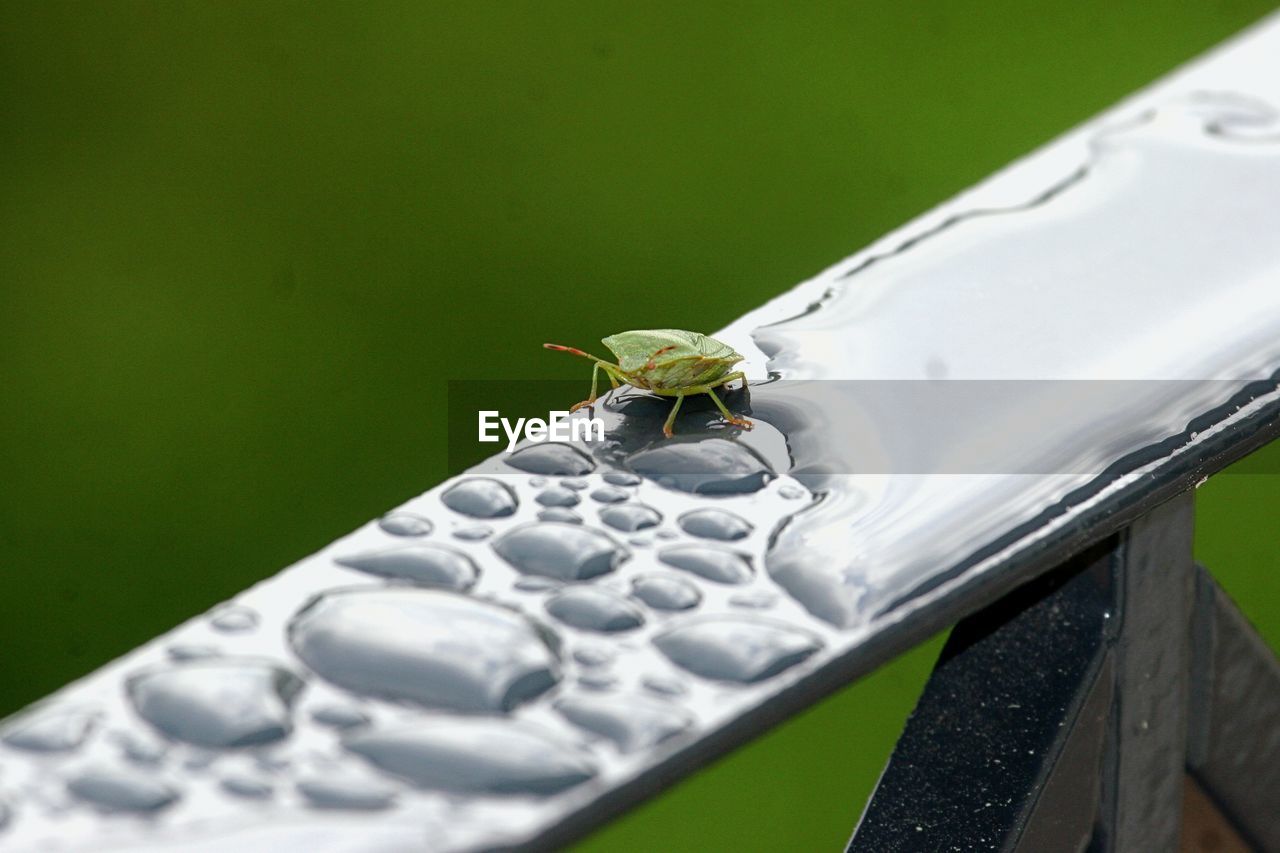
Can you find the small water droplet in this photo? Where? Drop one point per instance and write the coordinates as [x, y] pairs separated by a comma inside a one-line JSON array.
[[558, 496], [536, 583], [666, 592], [736, 648], [557, 550], [643, 540], [791, 493], [431, 647], [575, 483], [667, 534], [192, 651], [594, 609], [551, 458], [664, 686], [339, 716], [593, 655], [537, 482], [715, 524], [597, 681], [246, 786], [713, 466], [756, 600], [340, 791], [49, 730], [631, 722], [221, 702], [714, 564], [621, 478], [120, 789], [140, 748], [473, 532], [233, 618], [630, 518], [481, 497], [425, 565], [405, 524], [480, 756], [560, 514], [609, 495]]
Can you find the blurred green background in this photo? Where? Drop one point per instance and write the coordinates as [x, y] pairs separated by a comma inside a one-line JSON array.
[[245, 244]]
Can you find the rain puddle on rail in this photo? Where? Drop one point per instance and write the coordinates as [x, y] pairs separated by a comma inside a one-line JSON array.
[[495, 654]]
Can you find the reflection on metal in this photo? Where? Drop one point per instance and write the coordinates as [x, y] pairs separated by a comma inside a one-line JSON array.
[[519, 654], [1066, 715]]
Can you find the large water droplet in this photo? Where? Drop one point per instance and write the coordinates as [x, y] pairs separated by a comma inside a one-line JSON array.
[[341, 791], [565, 551], [736, 648], [714, 564], [631, 722], [481, 497], [713, 466], [594, 610], [476, 756], [630, 517], [665, 592], [49, 730], [221, 702], [432, 647], [715, 524], [425, 565], [405, 524], [554, 459], [558, 496], [120, 789]]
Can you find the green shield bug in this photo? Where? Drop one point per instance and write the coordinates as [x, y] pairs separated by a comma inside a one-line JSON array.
[[668, 362]]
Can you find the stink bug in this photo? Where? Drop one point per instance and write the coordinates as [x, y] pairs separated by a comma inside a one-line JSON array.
[[669, 362]]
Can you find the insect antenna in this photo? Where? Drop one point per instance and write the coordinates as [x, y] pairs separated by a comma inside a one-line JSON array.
[[575, 351]]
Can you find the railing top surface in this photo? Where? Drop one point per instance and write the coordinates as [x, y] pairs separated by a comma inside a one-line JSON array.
[[470, 672]]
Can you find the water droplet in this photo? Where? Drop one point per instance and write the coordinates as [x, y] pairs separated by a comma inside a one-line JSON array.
[[575, 483], [609, 495], [473, 532], [479, 756], [631, 722], [643, 540], [425, 565], [594, 609], [664, 686], [249, 787], [715, 524], [221, 702], [558, 496], [666, 592], [758, 600], [791, 493], [432, 647], [345, 792], [714, 564], [593, 655], [481, 497], [339, 716], [597, 680], [192, 651], [551, 458], [405, 524], [233, 618], [122, 789], [630, 517], [667, 534], [736, 648], [713, 466], [563, 551], [536, 583], [49, 730], [140, 748], [560, 514], [622, 478]]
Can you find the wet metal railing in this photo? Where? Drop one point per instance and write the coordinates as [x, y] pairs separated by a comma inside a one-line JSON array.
[[523, 652]]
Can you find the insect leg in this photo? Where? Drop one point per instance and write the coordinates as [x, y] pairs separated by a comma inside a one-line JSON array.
[[728, 416], [737, 374], [595, 377], [671, 418]]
